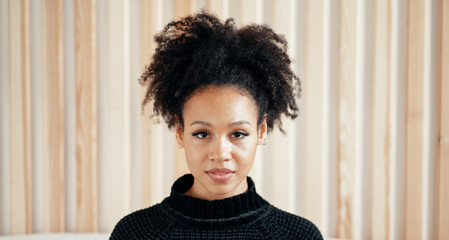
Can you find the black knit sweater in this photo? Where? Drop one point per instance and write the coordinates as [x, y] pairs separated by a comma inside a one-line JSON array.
[[245, 216]]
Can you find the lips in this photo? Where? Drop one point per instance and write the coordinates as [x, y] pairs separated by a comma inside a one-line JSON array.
[[220, 174]]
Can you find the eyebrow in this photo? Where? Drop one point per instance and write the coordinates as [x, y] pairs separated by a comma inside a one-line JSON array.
[[203, 123]]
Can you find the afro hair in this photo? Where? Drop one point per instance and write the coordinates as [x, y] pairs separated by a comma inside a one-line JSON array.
[[200, 51]]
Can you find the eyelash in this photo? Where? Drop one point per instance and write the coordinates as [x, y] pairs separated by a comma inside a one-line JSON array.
[[197, 134], [244, 134]]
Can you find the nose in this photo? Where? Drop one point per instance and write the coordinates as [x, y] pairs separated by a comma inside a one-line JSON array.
[[220, 150]]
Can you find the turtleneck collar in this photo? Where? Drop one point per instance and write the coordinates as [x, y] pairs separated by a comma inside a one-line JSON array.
[[242, 204]]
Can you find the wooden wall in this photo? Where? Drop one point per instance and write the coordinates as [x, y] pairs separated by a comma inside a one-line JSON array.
[[368, 158]]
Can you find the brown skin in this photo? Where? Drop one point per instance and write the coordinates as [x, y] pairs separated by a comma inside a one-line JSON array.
[[220, 131]]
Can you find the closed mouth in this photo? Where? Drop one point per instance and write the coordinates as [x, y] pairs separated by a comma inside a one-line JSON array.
[[220, 171], [220, 174]]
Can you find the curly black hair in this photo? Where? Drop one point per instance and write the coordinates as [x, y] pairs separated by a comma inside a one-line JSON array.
[[199, 51]]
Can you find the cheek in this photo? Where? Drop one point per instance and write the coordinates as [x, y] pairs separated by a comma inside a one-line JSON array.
[[195, 155], [246, 152]]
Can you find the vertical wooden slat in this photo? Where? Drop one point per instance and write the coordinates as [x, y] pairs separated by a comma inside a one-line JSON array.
[[102, 50], [147, 46], [291, 30], [251, 11], [363, 126], [182, 9], [311, 97], [329, 118], [135, 70], [380, 138], [281, 170], [442, 161], [20, 131], [218, 7], [160, 137], [396, 126], [86, 116], [152, 138], [282, 146], [197, 5], [52, 89], [429, 118], [5, 165], [68, 19], [117, 115], [414, 121], [36, 70], [346, 118]]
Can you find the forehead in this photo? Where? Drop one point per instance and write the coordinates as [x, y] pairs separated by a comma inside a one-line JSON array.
[[220, 104]]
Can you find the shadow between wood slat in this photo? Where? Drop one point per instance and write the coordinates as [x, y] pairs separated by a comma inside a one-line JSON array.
[[441, 230]]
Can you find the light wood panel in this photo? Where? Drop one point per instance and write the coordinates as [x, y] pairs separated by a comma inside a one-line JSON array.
[[442, 161], [147, 46], [283, 166], [153, 147], [346, 119], [182, 9], [329, 118], [414, 121], [380, 139], [20, 129], [53, 114], [363, 126], [311, 112], [117, 106], [396, 127], [86, 116], [429, 140], [5, 146], [218, 7]]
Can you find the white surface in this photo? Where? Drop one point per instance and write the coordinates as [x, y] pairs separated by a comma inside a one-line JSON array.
[[72, 236]]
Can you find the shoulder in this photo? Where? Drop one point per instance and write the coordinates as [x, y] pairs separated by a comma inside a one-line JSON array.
[[144, 223], [291, 226]]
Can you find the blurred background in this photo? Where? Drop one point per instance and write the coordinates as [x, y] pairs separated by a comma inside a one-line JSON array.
[[366, 158]]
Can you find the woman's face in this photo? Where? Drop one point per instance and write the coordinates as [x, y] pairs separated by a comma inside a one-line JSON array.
[[220, 137]]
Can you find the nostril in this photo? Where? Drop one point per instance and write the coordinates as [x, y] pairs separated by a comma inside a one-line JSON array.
[[220, 150]]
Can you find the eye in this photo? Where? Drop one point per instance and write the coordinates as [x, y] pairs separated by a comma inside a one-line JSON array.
[[201, 134], [239, 134]]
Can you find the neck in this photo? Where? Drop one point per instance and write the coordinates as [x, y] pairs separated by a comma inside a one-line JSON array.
[[199, 191]]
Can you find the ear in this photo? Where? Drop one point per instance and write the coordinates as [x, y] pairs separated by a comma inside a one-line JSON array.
[[262, 131], [179, 132]]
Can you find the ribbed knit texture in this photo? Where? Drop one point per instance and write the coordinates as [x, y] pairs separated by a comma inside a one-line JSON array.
[[245, 216]]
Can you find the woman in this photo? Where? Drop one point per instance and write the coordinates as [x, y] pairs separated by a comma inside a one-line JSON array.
[[222, 89]]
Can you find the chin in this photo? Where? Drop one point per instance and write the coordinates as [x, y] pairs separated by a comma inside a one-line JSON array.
[[223, 190]]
